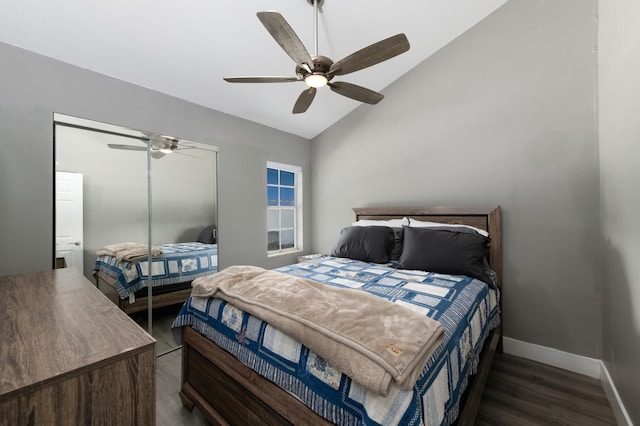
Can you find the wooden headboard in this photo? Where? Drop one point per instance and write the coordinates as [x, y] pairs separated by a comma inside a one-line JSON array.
[[487, 218]]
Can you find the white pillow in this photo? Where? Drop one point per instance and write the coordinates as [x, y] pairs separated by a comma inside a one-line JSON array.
[[392, 223], [422, 224]]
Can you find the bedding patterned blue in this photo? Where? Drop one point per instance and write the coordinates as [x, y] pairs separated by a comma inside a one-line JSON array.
[[466, 307], [179, 262]]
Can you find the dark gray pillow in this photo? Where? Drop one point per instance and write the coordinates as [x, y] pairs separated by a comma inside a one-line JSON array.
[[366, 243], [208, 235], [396, 248], [446, 251]]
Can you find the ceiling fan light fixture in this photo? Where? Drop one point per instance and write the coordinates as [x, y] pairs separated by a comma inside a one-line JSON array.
[[166, 150], [316, 80]]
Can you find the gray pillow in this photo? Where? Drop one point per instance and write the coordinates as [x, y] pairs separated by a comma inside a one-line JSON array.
[[366, 243], [396, 247], [446, 251], [208, 235]]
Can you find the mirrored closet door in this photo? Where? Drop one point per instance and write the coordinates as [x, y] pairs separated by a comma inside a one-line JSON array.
[[126, 199], [183, 227]]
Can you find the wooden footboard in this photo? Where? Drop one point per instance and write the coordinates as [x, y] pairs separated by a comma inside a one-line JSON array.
[[230, 393]]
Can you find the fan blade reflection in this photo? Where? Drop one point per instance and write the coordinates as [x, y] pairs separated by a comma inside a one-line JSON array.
[[356, 92], [260, 79], [126, 147], [304, 100], [371, 55]]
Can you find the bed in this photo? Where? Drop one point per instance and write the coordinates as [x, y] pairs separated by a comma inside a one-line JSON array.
[[175, 266], [234, 384]]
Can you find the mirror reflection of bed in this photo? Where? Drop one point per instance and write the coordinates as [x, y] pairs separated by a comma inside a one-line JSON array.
[[123, 276], [118, 209]]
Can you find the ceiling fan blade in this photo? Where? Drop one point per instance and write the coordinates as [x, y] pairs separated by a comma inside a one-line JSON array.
[[304, 100], [184, 145], [371, 55], [188, 155], [282, 32], [356, 92], [126, 147], [260, 79]]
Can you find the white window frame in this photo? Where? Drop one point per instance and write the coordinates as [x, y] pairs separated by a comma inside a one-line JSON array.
[[297, 228]]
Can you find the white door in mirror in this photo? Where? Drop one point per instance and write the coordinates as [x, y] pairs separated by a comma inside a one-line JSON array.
[[69, 229]]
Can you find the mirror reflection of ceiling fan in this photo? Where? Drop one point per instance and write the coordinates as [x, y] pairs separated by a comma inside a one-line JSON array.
[[317, 71], [161, 145]]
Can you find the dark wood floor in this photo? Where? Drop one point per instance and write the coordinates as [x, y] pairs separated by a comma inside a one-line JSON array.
[[522, 392], [519, 392], [169, 409]]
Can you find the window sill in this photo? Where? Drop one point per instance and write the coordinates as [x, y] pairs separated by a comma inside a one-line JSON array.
[[283, 253]]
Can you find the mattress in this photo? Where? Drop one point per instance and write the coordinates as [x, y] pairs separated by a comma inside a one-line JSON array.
[[466, 307]]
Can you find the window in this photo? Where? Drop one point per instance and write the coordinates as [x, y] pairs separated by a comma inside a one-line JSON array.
[[284, 208]]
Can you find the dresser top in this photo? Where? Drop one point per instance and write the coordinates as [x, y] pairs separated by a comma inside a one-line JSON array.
[[56, 322]]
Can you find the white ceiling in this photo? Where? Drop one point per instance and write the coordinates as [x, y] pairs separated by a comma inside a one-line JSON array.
[[184, 48]]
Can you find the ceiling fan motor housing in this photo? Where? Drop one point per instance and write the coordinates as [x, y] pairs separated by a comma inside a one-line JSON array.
[[321, 65]]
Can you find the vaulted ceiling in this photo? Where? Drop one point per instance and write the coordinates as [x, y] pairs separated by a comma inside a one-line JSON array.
[[185, 48]]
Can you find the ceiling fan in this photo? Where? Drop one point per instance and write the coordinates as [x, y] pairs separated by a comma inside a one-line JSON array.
[[317, 71], [161, 145]]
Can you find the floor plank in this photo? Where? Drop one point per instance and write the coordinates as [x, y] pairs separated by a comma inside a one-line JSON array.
[[519, 392], [169, 409]]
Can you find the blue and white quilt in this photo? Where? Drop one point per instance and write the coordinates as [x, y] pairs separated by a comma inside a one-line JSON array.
[[180, 262], [466, 307]]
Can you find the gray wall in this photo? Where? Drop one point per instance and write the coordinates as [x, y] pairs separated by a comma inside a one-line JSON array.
[[34, 87], [619, 60], [502, 116]]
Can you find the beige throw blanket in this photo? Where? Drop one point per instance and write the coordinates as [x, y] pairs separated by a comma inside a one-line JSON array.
[[374, 341], [128, 252]]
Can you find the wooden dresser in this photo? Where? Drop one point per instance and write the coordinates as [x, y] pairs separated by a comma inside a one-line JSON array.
[[68, 356]]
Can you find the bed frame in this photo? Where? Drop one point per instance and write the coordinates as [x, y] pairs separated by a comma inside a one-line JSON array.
[[229, 393], [161, 296]]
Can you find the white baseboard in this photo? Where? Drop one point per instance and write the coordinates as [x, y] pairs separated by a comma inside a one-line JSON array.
[[565, 360], [622, 417], [586, 366]]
